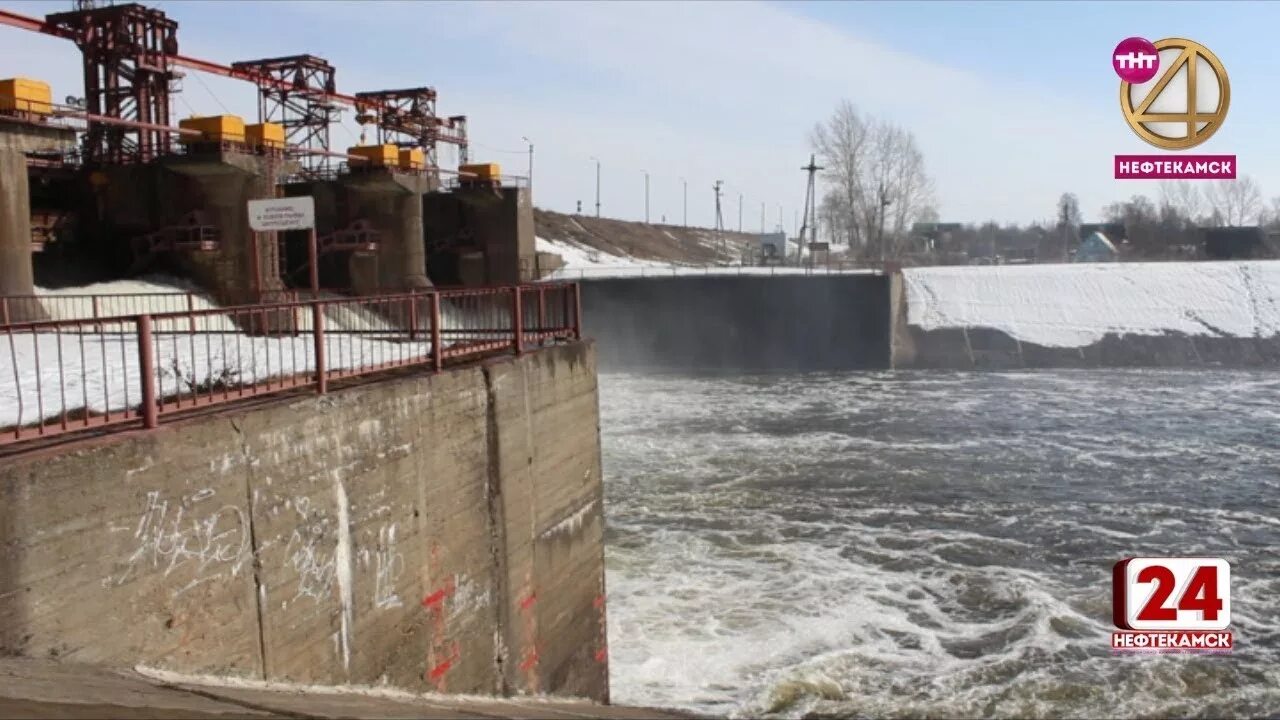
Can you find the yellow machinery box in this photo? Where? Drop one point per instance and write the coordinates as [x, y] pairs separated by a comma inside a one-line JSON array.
[[216, 128], [377, 155], [481, 171], [413, 159], [26, 95], [267, 135]]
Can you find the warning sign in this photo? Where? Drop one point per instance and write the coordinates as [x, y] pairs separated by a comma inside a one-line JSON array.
[[297, 213]]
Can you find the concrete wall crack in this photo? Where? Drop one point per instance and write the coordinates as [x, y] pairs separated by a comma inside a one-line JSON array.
[[497, 534], [259, 590]]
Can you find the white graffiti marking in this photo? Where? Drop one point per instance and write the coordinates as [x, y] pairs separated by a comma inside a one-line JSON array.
[[388, 565], [179, 536]]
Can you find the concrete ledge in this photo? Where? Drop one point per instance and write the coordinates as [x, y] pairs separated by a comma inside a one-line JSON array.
[[31, 688]]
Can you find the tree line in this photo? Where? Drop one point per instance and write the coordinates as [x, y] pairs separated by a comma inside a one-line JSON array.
[[878, 199]]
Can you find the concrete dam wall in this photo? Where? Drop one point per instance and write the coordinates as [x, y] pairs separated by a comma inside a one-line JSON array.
[[743, 323], [969, 318], [433, 532]]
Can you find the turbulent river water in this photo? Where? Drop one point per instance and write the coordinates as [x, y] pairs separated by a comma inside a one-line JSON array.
[[932, 544]]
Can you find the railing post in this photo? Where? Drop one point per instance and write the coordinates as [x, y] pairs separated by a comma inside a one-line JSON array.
[[147, 365], [577, 311], [317, 331], [517, 319], [95, 300], [437, 347], [4, 308], [437, 351], [542, 309], [413, 315], [191, 309]]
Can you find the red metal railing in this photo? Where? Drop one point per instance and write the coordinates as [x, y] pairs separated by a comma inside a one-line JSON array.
[[119, 372], [17, 308]]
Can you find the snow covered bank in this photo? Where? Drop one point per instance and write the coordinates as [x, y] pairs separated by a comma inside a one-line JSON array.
[[584, 263], [1070, 306]]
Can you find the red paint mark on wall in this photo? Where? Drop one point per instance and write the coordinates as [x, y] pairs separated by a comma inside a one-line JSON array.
[[439, 670], [531, 661], [529, 627], [441, 652], [602, 654]]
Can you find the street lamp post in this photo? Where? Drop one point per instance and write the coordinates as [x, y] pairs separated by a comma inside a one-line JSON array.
[[646, 196], [686, 201], [530, 162], [597, 161]]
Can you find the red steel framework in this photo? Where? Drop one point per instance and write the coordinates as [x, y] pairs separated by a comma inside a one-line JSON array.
[[452, 130], [297, 92], [117, 373], [408, 118], [127, 51]]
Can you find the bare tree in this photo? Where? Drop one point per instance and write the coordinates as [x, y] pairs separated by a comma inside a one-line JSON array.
[[1235, 202], [1184, 197], [1271, 215], [876, 178], [842, 144], [1068, 228]]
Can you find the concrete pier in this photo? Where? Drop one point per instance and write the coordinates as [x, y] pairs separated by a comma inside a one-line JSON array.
[[242, 267], [392, 202], [17, 139], [488, 231]]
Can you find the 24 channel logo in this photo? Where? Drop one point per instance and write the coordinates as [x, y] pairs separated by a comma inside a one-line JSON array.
[[1174, 95], [1171, 605]]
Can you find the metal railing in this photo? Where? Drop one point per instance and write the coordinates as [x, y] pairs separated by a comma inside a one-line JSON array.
[[16, 308], [123, 372]]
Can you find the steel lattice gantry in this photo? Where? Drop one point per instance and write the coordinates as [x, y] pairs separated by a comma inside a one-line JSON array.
[[296, 92], [127, 53], [407, 118]]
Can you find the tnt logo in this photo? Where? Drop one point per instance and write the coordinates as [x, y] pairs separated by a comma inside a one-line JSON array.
[[1171, 605], [1135, 60]]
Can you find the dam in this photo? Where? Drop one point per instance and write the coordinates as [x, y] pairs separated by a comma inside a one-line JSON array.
[[959, 318]]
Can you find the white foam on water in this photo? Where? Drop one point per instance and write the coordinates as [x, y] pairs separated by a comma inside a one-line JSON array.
[[939, 560]]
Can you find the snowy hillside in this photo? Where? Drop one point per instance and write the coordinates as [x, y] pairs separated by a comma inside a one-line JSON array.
[[1077, 305]]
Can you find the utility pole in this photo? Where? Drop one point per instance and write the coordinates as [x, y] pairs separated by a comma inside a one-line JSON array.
[[739, 212], [597, 186], [646, 196], [719, 217], [810, 211], [884, 203], [761, 218]]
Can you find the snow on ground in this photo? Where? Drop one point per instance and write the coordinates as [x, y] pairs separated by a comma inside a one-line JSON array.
[[577, 256], [584, 263], [1077, 305]]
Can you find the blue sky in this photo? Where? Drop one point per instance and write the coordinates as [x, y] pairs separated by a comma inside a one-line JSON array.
[[1012, 102]]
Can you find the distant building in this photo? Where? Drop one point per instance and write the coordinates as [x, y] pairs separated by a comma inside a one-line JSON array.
[[1233, 243], [934, 236], [1116, 232], [773, 246], [1097, 248]]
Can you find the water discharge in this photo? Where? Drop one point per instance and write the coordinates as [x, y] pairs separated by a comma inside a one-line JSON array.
[[923, 545]]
